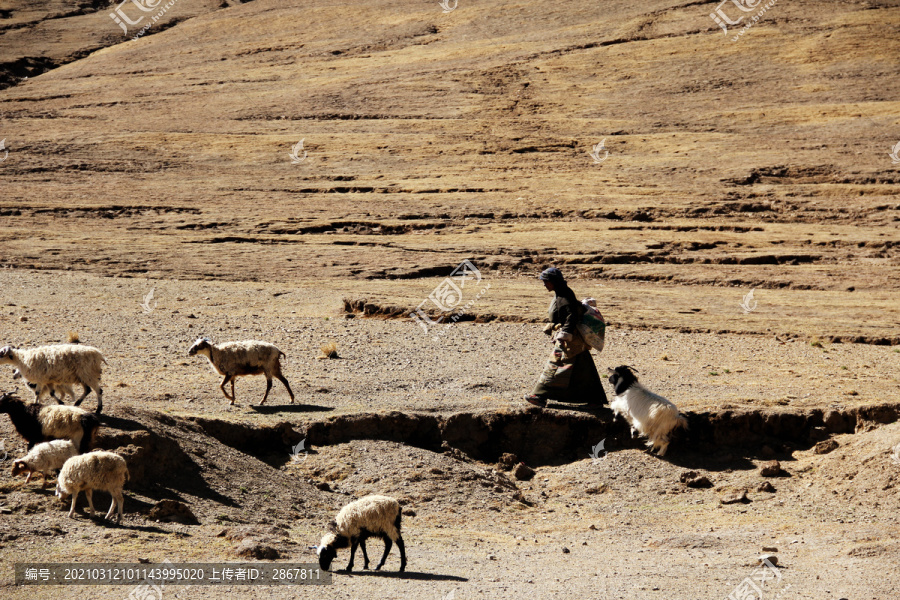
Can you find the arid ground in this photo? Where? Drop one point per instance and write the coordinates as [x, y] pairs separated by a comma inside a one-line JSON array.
[[754, 160]]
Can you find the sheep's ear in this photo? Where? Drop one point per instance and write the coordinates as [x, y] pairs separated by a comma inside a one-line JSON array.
[[332, 526]]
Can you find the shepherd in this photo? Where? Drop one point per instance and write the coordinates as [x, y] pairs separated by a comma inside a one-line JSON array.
[[570, 375]]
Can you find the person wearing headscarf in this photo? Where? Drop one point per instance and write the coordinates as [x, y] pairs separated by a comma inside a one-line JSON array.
[[570, 374]]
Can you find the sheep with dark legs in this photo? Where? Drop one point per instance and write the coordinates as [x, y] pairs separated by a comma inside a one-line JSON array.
[[62, 364], [236, 359], [38, 423], [58, 391], [370, 516]]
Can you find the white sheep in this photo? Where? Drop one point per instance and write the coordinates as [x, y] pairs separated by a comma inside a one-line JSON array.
[[98, 470], [44, 458], [370, 516], [38, 423], [58, 391], [236, 359], [62, 364]]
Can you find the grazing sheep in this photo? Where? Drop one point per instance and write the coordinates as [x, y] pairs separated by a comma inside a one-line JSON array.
[[648, 413], [58, 391], [98, 470], [44, 458], [62, 364], [370, 516], [37, 423], [235, 359]]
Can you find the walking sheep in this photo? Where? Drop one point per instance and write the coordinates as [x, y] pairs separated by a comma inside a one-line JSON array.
[[236, 359], [98, 470], [44, 458], [58, 391], [648, 413], [62, 364], [37, 423], [370, 516]]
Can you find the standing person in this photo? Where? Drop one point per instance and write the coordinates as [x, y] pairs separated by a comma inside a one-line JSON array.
[[570, 374]]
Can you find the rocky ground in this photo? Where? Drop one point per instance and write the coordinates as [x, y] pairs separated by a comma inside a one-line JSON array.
[[426, 420]]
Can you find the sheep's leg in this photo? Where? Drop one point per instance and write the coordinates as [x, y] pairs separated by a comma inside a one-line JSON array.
[[90, 496], [224, 391], [362, 545], [87, 390], [43, 480], [99, 401], [72, 510], [286, 385], [268, 387], [387, 548], [117, 500], [402, 553], [28, 477], [354, 542]]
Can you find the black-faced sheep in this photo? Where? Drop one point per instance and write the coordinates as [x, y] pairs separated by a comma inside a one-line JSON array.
[[44, 458], [37, 423], [370, 516], [62, 364], [98, 470], [236, 359]]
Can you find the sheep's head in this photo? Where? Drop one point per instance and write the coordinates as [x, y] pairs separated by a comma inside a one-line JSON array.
[[6, 354], [19, 466], [327, 549], [7, 400], [201, 345], [60, 492], [622, 378]]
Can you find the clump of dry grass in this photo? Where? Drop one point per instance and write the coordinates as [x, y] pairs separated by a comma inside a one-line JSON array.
[[329, 350], [73, 338]]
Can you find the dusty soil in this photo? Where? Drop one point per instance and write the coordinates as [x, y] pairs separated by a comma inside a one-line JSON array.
[[426, 419], [163, 164]]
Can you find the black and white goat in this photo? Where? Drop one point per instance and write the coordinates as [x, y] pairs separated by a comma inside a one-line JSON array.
[[648, 414]]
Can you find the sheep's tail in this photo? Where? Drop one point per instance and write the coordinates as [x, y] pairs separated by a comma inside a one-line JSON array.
[[280, 354], [682, 422], [127, 474], [89, 425], [397, 520]]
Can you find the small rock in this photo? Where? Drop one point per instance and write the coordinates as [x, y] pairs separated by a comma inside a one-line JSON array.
[[523, 472], [735, 497], [251, 548], [172, 510], [409, 512], [769, 557], [507, 461], [769, 549], [565, 550], [323, 485], [765, 486], [593, 527], [694, 479], [192, 316], [826, 446], [23, 319], [771, 468]]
